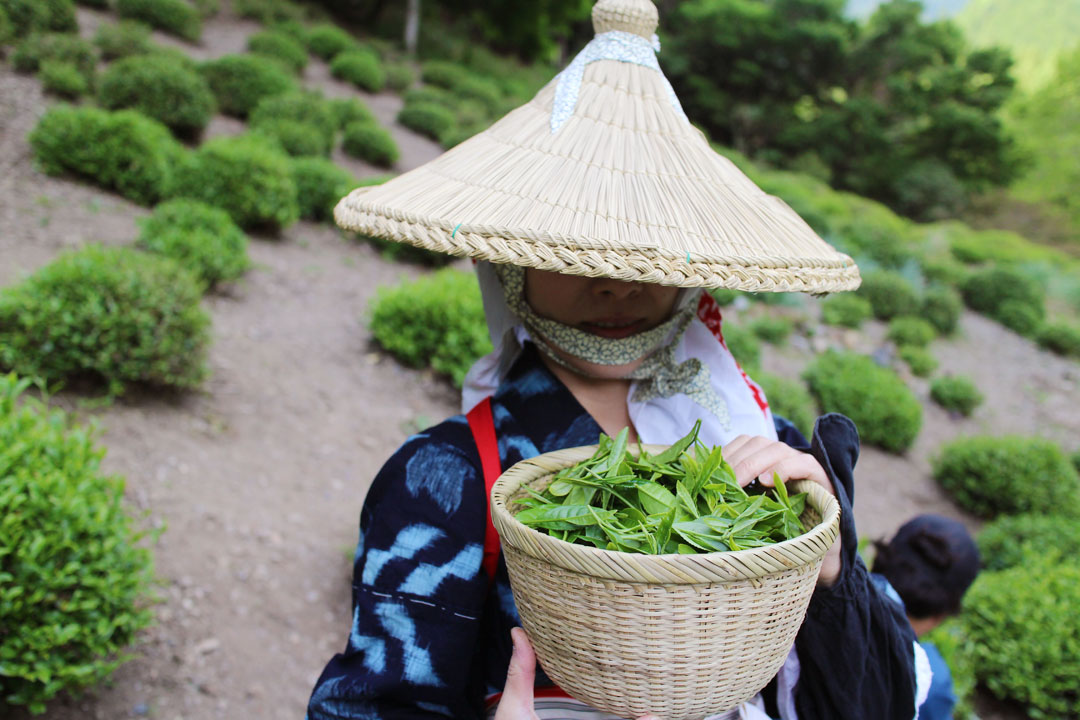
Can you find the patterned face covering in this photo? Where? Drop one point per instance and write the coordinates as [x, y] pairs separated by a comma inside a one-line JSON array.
[[658, 375]]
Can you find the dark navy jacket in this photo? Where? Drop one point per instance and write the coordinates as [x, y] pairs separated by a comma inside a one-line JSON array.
[[430, 635]]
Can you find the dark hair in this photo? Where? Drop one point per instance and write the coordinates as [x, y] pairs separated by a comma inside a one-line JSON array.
[[931, 562]]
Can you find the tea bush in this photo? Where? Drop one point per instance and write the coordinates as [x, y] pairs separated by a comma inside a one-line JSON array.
[[890, 295], [885, 411], [199, 237], [437, 320], [724, 296], [911, 331], [160, 88], [919, 360], [443, 74], [790, 399], [744, 347], [309, 109], [320, 184], [1060, 338], [123, 39], [1021, 624], [173, 16], [60, 16], [77, 582], [239, 82], [39, 48], [292, 28], [399, 77], [294, 138], [987, 291], [270, 11], [429, 94], [370, 143], [1008, 475], [774, 330], [112, 315], [944, 271], [360, 67], [404, 252], [1020, 317], [280, 47], [7, 33], [327, 41], [941, 306], [246, 176], [845, 310], [63, 79], [25, 16], [956, 393], [1011, 539], [350, 110], [122, 151], [428, 119], [99, 4]]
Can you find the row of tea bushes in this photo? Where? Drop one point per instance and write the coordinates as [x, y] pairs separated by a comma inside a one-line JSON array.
[[77, 574]]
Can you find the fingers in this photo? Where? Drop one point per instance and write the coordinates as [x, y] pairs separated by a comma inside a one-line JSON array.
[[517, 697], [759, 457]]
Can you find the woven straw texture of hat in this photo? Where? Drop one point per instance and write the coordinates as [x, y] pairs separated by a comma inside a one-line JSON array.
[[680, 636], [627, 188]]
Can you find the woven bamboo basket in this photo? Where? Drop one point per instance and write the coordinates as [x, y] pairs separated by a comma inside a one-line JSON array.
[[680, 636]]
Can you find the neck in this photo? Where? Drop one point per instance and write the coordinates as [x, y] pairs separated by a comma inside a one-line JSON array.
[[604, 400], [921, 626]]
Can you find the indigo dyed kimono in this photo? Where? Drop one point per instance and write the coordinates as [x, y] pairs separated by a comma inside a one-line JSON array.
[[430, 633]]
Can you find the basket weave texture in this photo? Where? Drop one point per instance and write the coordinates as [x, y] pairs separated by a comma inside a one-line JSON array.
[[678, 636]]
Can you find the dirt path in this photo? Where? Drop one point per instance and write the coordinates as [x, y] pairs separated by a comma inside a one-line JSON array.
[[259, 477]]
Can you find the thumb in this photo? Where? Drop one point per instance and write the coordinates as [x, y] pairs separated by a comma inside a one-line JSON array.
[[521, 675]]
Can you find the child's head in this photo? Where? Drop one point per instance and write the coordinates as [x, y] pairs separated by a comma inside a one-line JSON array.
[[931, 562]]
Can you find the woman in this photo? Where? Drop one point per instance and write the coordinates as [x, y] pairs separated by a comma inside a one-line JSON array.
[[598, 213]]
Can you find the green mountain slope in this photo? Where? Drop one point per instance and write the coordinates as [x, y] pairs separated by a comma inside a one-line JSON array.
[[1036, 31]]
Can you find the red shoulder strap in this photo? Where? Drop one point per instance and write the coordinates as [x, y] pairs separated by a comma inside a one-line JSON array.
[[482, 425]]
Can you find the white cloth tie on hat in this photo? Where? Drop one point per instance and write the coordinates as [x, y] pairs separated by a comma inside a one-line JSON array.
[[612, 45]]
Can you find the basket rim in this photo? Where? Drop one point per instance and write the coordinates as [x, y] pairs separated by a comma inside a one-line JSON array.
[[667, 569]]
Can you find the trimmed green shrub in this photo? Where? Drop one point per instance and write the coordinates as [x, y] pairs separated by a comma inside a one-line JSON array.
[[160, 88], [111, 315], [270, 11], [207, 8], [77, 584], [326, 41], [1008, 475], [1075, 459], [1060, 338], [58, 16], [240, 82], [956, 393], [63, 79], [987, 291], [774, 330], [1011, 539], [790, 399], [123, 39], [320, 184], [944, 271], [885, 411], [724, 296], [295, 138], [199, 237], [443, 74], [845, 310], [428, 119], [292, 28], [360, 67], [308, 108], [7, 32], [941, 306], [1021, 625], [434, 95], [247, 177], [177, 56], [370, 143], [890, 295], [122, 151], [406, 253], [350, 110], [72, 49], [175, 17], [25, 16], [918, 359], [911, 331], [437, 320], [1020, 317], [99, 4], [399, 77], [280, 47], [744, 347]]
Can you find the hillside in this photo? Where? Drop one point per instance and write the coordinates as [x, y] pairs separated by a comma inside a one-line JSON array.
[[1037, 32]]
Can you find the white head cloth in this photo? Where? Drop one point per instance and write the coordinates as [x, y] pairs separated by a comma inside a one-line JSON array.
[[660, 420]]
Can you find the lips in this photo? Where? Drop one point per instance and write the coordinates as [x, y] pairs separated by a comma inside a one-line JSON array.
[[613, 328]]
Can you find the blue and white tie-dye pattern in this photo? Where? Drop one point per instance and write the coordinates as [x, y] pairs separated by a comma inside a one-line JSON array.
[[430, 635]]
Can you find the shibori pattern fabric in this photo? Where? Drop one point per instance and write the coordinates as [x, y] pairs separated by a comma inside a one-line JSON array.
[[625, 187], [430, 636]]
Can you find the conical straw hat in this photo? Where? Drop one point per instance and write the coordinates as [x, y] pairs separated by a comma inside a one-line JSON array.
[[604, 179]]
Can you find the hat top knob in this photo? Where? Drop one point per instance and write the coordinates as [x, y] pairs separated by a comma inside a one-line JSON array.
[[635, 16]]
